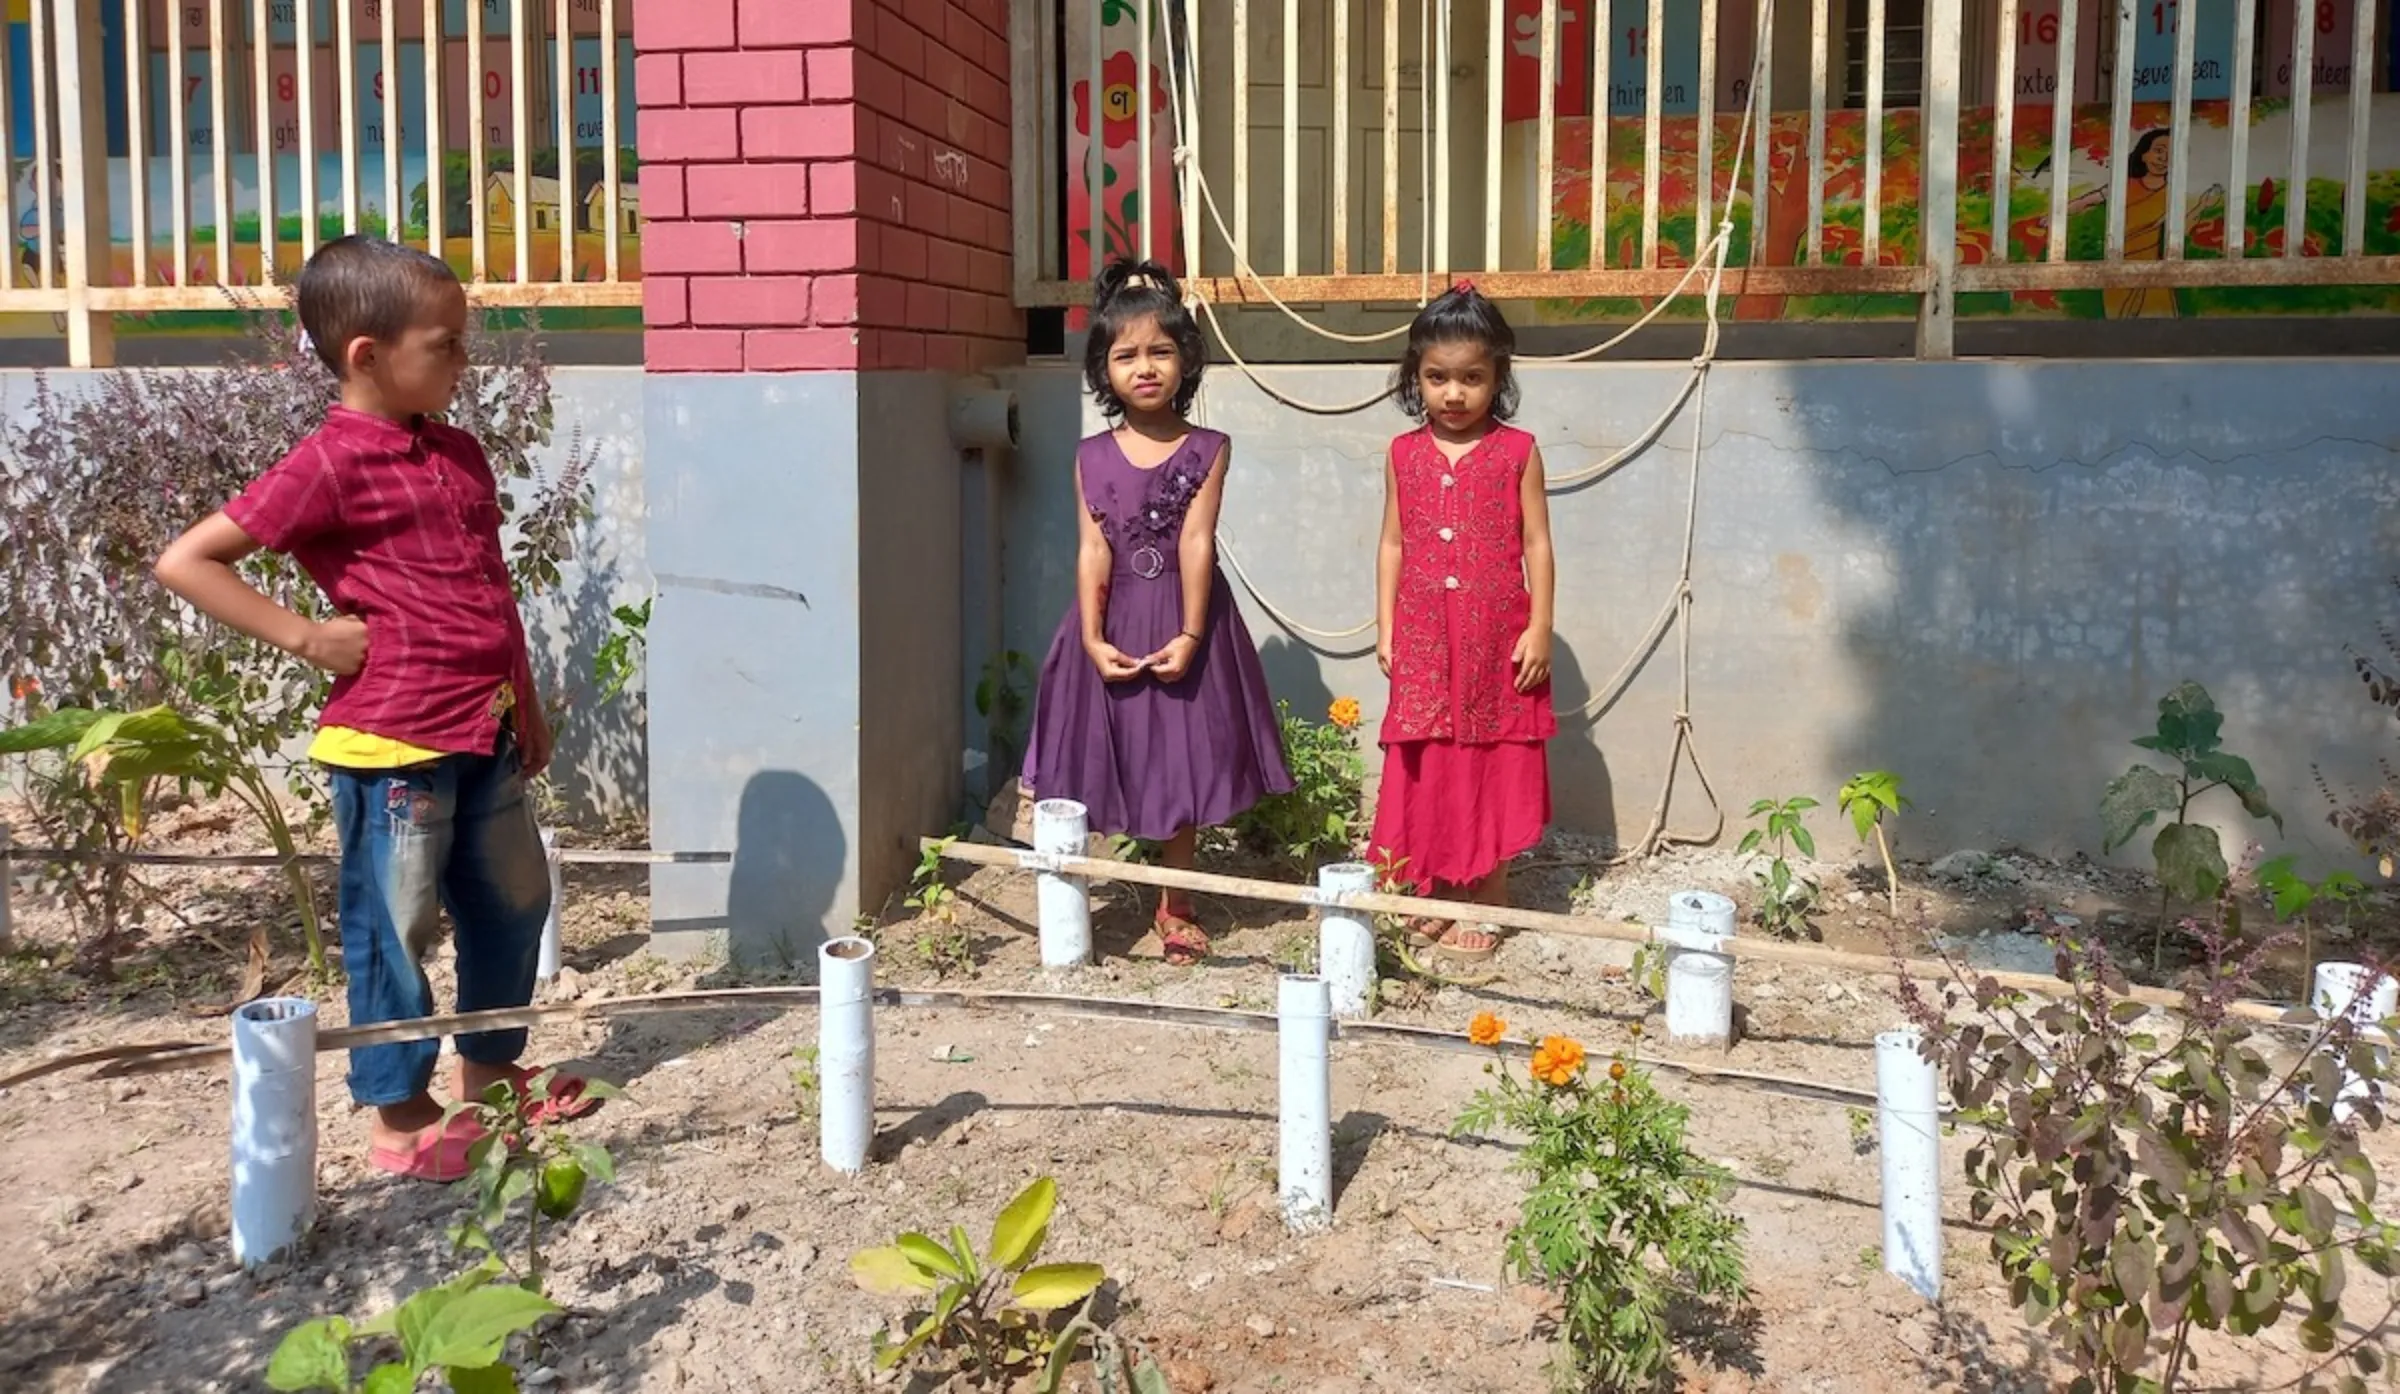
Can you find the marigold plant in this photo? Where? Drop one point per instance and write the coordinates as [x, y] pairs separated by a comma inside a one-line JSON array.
[[1621, 1217], [1344, 713], [1320, 820]]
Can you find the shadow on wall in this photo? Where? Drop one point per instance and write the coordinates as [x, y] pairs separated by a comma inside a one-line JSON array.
[[1583, 795], [2009, 615], [788, 856], [602, 766]]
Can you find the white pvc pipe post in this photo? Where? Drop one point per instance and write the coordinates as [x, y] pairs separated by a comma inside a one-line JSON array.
[[1909, 1119], [552, 932], [846, 1052], [1699, 978], [1060, 829], [274, 1126], [1346, 941], [2342, 989], [1304, 1161]]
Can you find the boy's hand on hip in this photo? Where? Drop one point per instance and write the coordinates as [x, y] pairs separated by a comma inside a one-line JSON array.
[[337, 645], [1531, 658]]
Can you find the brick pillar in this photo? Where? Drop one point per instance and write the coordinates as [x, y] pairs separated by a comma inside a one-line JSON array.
[[825, 185], [825, 250]]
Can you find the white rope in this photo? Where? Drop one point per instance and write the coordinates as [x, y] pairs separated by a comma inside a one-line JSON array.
[[1330, 636]]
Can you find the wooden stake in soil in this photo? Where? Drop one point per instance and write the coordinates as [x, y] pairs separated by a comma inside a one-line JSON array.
[[1541, 922]]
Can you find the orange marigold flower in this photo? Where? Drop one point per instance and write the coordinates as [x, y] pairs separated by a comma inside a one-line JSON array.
[[1486, 1029], [1344, 713], [1616, 1070], [1558, 1060], [22, 688]]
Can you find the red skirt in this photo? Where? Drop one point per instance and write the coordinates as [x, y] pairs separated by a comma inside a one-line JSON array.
[[1454, 813]]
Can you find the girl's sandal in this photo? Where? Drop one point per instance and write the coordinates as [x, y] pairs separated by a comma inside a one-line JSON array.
[[1184, 943], [1425, 931], [1472, 945]]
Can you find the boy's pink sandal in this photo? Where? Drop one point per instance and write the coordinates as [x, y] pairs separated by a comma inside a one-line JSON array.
[[438, 1154], [565, 1101]]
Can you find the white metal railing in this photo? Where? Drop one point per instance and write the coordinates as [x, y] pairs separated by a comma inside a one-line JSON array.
[[1298, 150], [166, 154]]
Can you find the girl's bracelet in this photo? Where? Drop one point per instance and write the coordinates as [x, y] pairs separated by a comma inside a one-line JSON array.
[[1187, 634]]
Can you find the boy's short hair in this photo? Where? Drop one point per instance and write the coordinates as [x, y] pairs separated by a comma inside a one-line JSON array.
[[360, 286]]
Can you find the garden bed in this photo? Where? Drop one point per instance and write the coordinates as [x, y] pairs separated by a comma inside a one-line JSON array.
[[717, 1261]]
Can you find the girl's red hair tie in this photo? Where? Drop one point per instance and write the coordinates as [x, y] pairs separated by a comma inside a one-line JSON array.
[[1463, 286]]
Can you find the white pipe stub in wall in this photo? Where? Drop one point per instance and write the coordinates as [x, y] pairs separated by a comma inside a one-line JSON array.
[[1908, 1109], [1304, 1158], [274, 1126], [983, 418], [1063, 904], [1346, 941], [1699, 978], [846, 1052]]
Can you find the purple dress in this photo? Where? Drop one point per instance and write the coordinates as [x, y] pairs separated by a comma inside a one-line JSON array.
[[1151, 758]]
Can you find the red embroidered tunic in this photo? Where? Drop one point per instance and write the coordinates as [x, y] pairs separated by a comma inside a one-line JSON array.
[[1462, 603]]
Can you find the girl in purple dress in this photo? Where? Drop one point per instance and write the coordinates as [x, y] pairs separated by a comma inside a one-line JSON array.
[[1152, 711]]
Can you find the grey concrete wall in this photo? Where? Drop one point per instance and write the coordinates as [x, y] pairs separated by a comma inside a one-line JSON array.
[[804, 654], [911, 649], [1979, 575], [752, 485], [602, 767]]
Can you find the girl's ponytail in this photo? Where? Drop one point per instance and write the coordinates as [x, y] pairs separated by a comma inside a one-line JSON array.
[[1123, 275]]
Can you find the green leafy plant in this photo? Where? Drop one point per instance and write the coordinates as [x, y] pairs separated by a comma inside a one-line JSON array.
[[2189, 859], [1132, 850], [1001, 697], [128, 753], [808, 1082], [1319, 820], [2295, 899], [459, 1329], [1621, 1215], [1785, 899], [2370, 818], [97, 480], [2143, 1185], [945, 952], [518, 1159], [992, 1308], [929, 891], [619, 658], [1868, 798]]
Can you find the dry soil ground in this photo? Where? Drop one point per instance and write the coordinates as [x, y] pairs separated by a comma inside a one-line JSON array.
[[717, 1262]]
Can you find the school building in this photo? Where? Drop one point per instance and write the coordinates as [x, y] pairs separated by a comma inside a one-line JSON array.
[[2049, 362]]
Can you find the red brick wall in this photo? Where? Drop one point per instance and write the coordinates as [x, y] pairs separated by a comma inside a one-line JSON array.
[[825, 184]]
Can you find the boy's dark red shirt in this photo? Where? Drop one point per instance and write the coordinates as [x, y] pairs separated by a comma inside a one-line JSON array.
[[399, 526]]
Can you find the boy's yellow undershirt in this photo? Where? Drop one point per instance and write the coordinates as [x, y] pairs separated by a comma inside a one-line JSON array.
[[346, 748]]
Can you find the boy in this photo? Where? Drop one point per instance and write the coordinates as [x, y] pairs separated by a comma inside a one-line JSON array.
[[434, 722]]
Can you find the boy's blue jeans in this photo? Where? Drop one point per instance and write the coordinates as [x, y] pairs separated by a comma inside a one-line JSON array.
[[457, 834]]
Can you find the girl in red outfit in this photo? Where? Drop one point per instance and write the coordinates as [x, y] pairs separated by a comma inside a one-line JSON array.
[[1463, 588]]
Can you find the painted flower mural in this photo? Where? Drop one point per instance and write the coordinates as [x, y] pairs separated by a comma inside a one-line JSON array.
[[1127, 97]]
